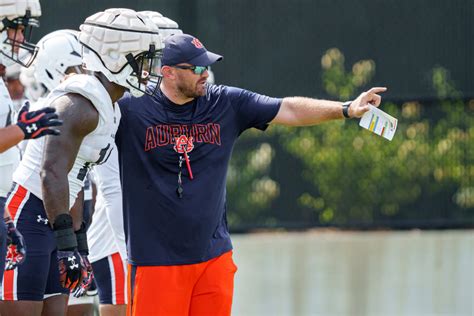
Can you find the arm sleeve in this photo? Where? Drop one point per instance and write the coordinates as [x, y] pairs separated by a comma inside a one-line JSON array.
[[253, 109], [109, 196]]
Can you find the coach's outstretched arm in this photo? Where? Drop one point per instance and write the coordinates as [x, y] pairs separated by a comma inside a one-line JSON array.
[[300, 111]]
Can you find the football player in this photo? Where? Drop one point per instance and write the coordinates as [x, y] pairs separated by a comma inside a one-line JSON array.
[[59, 55]]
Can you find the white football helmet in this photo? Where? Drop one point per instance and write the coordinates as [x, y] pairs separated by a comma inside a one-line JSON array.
[[166, 26], [58, 52], [33, 89], [123, 45], [15, 45]]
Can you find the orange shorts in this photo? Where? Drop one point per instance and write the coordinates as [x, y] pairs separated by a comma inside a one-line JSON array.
[[195, 289]]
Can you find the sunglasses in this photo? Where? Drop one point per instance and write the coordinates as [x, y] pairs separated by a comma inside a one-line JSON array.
[[198, 70]]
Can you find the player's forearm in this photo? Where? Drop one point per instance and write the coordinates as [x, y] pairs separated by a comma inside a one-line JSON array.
[[55, 189], [300, 111], [77, 210], [10, 136]]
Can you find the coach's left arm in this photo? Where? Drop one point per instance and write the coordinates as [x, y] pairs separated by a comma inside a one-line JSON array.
[[300, 111]]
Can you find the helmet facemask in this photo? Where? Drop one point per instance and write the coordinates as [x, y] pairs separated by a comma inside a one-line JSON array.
[[146, 68], [22, 52], [139, 72]]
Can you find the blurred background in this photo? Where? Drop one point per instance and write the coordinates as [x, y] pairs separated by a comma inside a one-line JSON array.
[[337, 175]]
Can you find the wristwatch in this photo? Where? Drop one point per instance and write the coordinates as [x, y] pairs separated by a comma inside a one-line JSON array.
[[345, 109]]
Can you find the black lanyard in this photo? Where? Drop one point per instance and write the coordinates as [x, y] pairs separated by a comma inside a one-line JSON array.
[[185, 156]]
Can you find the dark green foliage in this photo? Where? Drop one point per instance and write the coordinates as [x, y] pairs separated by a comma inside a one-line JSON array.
[[340, 174]]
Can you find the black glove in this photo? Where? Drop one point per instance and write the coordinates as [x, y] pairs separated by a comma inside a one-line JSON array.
[[35, 124], [71, 268], [83, 248], [71, 263], [16, 249]]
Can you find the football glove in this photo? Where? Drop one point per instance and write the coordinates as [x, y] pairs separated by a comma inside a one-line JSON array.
[[16, 249], [70, 262], [87, 278], [35, 124], [71, 269], [83, 248]]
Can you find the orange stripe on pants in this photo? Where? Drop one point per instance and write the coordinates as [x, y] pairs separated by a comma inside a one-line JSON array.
[[15, 201], [8, 279], [119, 279], [129, 290], [12, 205], [195, 289]]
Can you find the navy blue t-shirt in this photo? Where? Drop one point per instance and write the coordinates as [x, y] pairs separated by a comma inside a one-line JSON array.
[[162, 228]]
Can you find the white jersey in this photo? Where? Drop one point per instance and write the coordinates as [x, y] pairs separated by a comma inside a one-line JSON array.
[[106, 235], [95, 147], [10, 158]]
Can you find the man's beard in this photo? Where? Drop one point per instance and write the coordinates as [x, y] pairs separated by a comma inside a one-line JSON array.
[[192, 92]]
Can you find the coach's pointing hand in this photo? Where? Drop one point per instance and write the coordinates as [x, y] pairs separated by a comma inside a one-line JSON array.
[[361, 105]]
